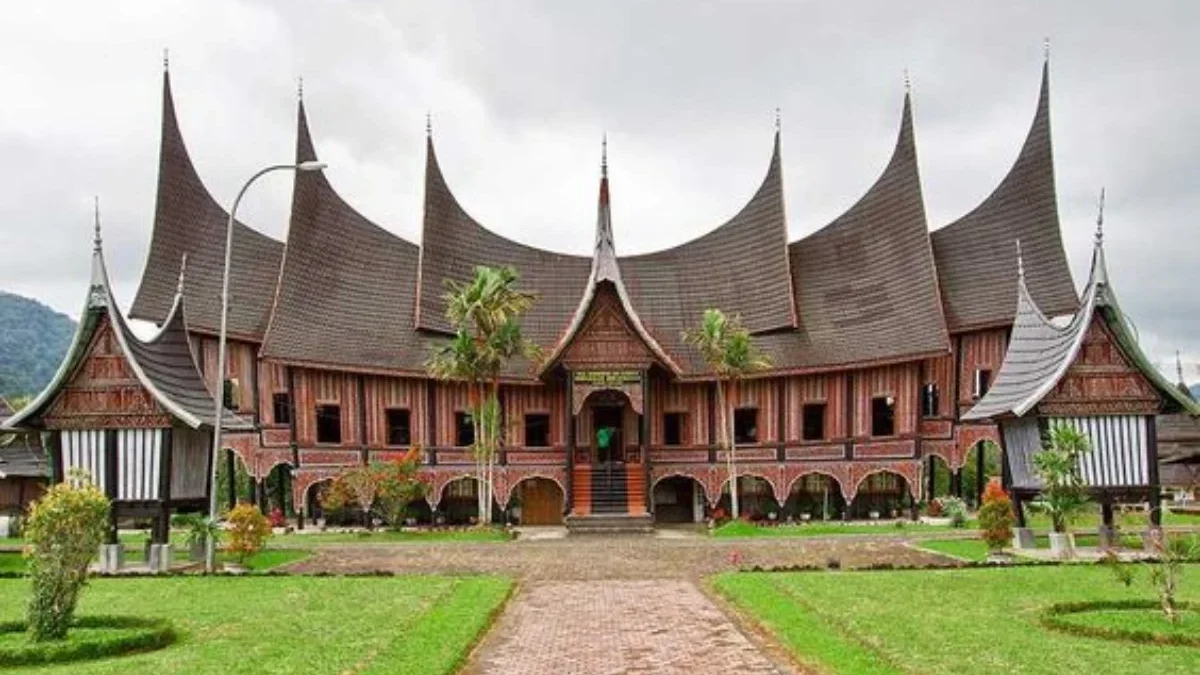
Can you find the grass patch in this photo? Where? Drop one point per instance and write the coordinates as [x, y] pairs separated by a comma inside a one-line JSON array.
[[960, 621], [741, 528], [265, 625], [12, 563], [968, 549], [1134, 621]]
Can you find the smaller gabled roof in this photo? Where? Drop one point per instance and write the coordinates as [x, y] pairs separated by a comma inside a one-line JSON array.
[[164, 365], [1040, 352], [21, 456], [606, 269]]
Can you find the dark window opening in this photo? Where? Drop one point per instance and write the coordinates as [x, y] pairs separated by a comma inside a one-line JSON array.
[[399, 427], [883, 416], [329, 424], [814, 421], [983, 380], [281, 406], [673, 428], [537, 431], [464, 430], [929, 400], [745, 425], [229, 394]]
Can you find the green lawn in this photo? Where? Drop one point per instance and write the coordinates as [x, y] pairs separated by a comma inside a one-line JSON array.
[[951, 622], [415, 625], [975, 549], [738, 528]]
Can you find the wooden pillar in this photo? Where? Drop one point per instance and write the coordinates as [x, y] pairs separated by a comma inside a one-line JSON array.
[[712, 415], [644, 433], [979, 452], [569, 497], [260, 493], [231, 471], [932, 481], [1106, 513], [162, 522], [1152, 466], [362, 418], [280, 493], [1019, 505], [111, 476], [956, 483], [54, 454]]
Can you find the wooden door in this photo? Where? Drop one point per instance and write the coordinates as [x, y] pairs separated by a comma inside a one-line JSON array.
[[541, 502]]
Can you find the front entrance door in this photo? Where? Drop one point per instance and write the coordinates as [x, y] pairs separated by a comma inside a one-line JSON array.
[[541, 502], [606, 423]]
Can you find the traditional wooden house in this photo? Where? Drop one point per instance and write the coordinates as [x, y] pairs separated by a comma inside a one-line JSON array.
[[22, 470], [881, 336], [1088, 373], [133, 417]]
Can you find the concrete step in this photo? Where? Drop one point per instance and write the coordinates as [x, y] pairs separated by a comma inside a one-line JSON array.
[[610, 524]]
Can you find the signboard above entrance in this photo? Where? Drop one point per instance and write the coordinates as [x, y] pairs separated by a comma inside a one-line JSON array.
[[588, 382]]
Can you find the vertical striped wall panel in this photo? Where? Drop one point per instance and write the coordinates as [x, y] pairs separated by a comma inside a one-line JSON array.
[[760, 394], [190, 450], [322, 387], [940, 371], [272, 379], [690, 399], [521, 400], [139, 455], [827, 389], [385, 393], [449, 398], [240, 364], [83, 450], [900, 382], [1120, 449], [982, 350]]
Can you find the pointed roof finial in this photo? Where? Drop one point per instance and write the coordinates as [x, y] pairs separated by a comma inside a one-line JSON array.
[[428, 124], [1046, 48], [1100, 220], [300, 88], [778, 120], [182, 272], [1178, 368], [1020, 262], [604, 155], [166, 59], [907, 82], [96, 240]]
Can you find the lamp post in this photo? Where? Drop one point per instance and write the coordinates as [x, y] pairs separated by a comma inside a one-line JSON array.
[[210, 544]]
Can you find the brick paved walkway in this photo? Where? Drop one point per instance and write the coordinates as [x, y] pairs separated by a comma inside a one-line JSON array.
[[616, 627]]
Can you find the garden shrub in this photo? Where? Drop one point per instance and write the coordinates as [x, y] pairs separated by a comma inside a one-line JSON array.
[[996, 516], [1064, 493], [955, 509], [64, 530], [248, 531]]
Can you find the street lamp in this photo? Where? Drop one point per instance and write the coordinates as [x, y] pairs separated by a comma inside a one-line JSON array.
[[210, 544]]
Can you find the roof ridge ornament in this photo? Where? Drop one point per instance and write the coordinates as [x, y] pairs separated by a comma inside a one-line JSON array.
[[1100, 220], [1020, 263], [166, 59], [428, 124], [182, 273], [300, 88], [1046, 48], [1179, 368], [907, 83], [778, 121], [604, 155], [97, 240]]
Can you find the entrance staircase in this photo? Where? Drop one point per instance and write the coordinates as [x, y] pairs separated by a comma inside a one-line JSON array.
[[609, 499]]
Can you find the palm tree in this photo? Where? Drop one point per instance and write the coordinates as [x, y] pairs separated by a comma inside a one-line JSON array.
[[730, 353], [485, 312], [1063, 490]]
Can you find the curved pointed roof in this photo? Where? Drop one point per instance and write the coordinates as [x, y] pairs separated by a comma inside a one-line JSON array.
[[1040, 352], [188, 220], [164, 365], [865, 284], [979, 287], [345, 293]]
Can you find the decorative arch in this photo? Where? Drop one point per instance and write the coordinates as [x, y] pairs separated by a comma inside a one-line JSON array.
[[440, 482], [820, 472], [678, 473], [532, 475], [909, 470], [909, 483], [968, 436], [306, 478], [839, 471]]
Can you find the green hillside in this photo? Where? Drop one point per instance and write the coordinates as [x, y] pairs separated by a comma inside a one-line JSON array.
[[33, 339]]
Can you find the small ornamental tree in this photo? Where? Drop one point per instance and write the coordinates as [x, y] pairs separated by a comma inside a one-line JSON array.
[[1063, 494], [64, 530], [248, 531], [996, 516], [353, 489], [1170, 556], [397, 486]]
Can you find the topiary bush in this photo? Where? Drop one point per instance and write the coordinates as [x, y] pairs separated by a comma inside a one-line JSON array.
[[996, 516], [248, 531], [64, 530], [108, 636]]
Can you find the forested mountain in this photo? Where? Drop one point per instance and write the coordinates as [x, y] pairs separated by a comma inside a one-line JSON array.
[[33, 339]]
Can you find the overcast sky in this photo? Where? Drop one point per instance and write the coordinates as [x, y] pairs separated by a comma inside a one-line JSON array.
[[521, 92]]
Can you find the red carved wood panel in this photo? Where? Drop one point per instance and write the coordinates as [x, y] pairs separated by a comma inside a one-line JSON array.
[[901, 382], [606, 339], [104, 392], [940, 371], [761, 394], [241, 363], [983, 350], [827, 389], [671, 397], [322, 387], [1101, 381], [272, 379], [450, 398], [384, 393]]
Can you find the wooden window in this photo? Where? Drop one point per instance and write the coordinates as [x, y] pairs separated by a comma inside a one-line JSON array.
[[883, 416], [329, 424], [281, 408], [929, 400], [745, 425], [399, 426], [464, 430], [814, 421], [537, 430], [983, 380], [231, 394], [673, 428]]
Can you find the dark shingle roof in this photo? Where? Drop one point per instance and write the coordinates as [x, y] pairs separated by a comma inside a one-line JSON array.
[[865, 284], [346, 289], [979, 286], [21, 456], [188, 220]]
